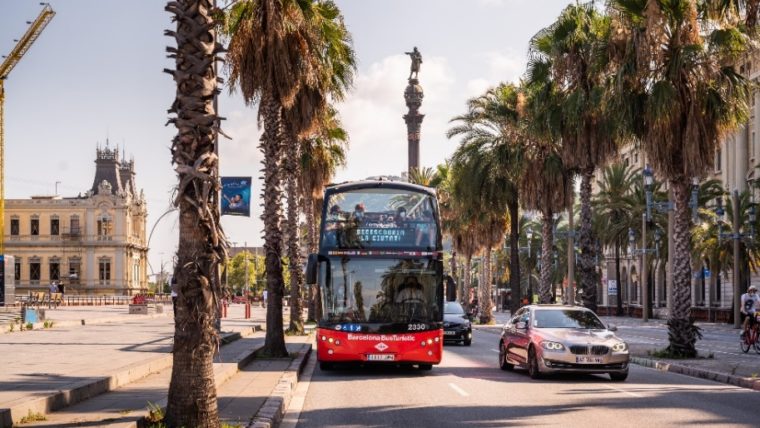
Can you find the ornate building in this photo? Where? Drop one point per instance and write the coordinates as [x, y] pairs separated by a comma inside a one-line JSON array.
[[93, 244]]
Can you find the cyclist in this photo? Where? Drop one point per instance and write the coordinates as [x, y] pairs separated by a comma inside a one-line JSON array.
[[750, 305]]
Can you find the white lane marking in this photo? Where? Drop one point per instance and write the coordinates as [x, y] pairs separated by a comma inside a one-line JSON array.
[[632, 394], [459, 390], [495, 350]]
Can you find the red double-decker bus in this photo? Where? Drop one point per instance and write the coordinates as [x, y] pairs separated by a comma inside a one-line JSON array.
[[379, 273]]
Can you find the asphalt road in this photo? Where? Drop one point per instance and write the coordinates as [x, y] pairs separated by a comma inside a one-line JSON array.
[[468, 389]]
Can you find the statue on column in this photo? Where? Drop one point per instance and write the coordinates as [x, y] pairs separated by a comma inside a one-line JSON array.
[[416, 61]]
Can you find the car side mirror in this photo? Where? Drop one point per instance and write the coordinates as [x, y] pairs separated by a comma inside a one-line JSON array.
[[612, 327], [311, 269], [521, 325]]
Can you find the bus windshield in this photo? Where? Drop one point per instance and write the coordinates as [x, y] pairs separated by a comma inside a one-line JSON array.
[[380, 290], [380, 217]]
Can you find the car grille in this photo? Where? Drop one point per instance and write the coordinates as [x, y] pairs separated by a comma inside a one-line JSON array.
[[592, 350]]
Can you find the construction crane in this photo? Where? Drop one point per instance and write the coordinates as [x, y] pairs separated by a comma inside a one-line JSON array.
[[10, 61]]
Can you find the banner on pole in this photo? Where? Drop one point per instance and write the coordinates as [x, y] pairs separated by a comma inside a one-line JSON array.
[[236, 196]]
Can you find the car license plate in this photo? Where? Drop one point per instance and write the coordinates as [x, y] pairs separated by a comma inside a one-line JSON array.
[[449, 333], [381, 357], [594, 360]]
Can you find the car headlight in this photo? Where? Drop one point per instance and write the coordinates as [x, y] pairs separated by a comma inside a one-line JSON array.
[[552, 346], [619, 347]]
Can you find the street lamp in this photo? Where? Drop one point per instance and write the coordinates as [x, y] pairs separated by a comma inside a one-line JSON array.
[[643, 251], [737, 236]]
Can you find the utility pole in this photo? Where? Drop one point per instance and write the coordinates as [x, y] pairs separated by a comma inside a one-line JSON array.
[[644, 273], [737, 237], [245, 251], [570, 256]]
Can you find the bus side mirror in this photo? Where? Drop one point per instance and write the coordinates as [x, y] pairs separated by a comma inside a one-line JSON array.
[[311, 269]]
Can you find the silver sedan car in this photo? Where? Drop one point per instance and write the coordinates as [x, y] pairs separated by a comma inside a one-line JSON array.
[[552, 339]]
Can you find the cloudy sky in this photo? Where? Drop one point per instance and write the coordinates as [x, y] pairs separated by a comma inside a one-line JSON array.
[[96, 73]]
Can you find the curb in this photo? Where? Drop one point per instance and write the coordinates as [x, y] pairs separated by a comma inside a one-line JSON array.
[[742, 382], [270, 415], [84, 390]]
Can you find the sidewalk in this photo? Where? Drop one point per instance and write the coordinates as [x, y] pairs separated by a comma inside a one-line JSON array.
[[52, 368], [719, 358]]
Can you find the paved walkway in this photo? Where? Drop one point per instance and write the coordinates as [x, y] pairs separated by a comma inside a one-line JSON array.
[[39, 363]]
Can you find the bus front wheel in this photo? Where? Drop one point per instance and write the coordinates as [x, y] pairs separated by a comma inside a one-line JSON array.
[[426, 366]]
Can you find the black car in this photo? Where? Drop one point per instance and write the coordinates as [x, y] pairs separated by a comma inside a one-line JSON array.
[[456, 324]]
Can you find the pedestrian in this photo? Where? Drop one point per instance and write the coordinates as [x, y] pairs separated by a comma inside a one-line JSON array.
[[174, 295], [264, 299]]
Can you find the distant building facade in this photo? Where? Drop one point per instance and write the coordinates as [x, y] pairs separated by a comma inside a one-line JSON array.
[[93, 244]]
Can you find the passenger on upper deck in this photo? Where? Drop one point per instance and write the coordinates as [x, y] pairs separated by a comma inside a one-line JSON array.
[[425, 230]]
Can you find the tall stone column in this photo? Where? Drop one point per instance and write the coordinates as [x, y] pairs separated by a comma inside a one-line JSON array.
[[413, 96]]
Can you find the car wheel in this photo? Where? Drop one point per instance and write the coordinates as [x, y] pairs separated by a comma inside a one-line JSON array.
[[426, 366], [325, 366], [619, 377], [467, 342], [503, 358], [533, 370]]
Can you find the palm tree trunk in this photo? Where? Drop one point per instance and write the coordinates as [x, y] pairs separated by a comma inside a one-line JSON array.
[[271, 146], [682, 333], [294, 248], [617, 279], [467, 279], [486, 307], [545, 288], [587, 268], [514, 256], [192, 397]]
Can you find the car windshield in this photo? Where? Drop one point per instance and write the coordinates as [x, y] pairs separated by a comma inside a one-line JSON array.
[[567, 318], [453, 308], [380, 290]]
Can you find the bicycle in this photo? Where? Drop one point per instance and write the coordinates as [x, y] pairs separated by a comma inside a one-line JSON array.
[[751, 337]]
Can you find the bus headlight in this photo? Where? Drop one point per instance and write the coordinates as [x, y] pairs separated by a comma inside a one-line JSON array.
[[330, 340], [324, 338], [423, 343], [337, 341]]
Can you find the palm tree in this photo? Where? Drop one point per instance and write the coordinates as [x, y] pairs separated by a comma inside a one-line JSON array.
[[424, 176], [546, 184], [546, 187], [681, 95], [334, 64], [571, 51], [614, 206], [202, 244], [272, 54], [491, 153], [321, 155]]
